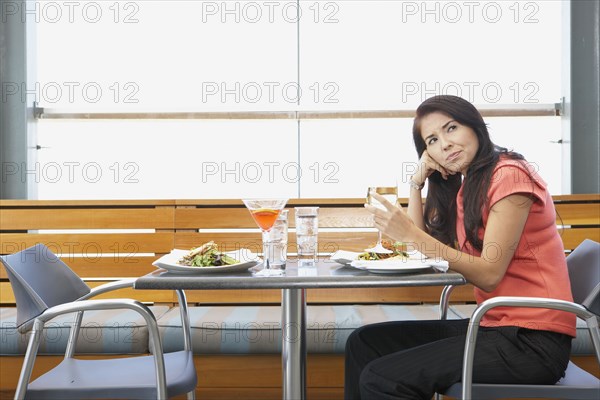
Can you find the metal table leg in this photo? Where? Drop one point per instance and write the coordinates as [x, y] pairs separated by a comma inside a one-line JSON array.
[[445, 301], [293, 351]]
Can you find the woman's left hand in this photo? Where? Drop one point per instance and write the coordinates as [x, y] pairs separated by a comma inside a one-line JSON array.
[[393, 221]]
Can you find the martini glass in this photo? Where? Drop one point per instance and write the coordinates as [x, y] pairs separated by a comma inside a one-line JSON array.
[[265, 212], [390, 193]]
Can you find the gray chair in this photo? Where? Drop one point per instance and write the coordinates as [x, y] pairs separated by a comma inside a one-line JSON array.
[[44, 287], [584, 273]]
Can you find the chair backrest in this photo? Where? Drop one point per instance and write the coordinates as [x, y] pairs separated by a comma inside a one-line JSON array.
[[584, 273], [40, 280]]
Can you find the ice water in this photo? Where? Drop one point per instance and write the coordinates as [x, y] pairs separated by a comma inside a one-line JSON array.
[[306, 236], [277, 237]]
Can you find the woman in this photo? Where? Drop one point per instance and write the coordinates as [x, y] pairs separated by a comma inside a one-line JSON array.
[[492, 218]]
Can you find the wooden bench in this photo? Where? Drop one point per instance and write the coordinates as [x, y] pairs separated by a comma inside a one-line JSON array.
[[108, 240]]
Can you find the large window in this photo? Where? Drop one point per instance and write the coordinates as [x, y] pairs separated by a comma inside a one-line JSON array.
[[277, 58]]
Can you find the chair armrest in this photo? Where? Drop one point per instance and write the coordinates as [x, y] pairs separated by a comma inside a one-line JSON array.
[[111, 304], [534, 302], [89, 305], [107, 287], [129, 282]]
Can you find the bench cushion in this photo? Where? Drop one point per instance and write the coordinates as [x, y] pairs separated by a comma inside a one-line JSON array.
[[102, 332], [257, 329], [580, 346], [227, 329]]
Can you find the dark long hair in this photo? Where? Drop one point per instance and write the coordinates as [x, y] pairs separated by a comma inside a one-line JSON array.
[[440, 205]]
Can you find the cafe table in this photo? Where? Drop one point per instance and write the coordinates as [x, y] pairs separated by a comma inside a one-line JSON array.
[[293, 285]]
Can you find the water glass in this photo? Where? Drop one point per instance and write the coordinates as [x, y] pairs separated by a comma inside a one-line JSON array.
[[307, 227], [277, 238]]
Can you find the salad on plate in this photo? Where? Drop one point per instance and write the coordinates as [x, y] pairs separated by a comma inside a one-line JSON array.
[[207, 255], [398, 251]]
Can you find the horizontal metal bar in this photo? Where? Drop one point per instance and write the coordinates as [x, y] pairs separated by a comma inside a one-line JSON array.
[[532, 110], [51, 114]]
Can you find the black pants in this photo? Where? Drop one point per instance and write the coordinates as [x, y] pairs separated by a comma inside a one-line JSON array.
[[416, 359]]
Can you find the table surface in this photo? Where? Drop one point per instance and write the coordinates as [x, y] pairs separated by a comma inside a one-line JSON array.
[[326, 274]]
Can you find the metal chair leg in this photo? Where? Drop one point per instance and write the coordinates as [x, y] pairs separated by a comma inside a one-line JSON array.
[[32, 349]]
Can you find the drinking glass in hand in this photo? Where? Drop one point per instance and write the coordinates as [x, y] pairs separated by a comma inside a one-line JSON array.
[[390, 193]]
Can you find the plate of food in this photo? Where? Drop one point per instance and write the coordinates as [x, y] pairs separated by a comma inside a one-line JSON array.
[[397, 250], [207, 259], [399, 260]]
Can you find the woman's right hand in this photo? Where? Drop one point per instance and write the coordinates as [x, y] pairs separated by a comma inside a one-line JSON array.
[[427, 166]]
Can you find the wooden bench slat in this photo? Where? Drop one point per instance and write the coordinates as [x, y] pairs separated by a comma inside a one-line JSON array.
[[329, 242], [578, 214], [325, 202], [119, 266], [576, 198], [94, 218], [258, 296], [151, 296], [90, 243], [8, 203], [573, 237], [425, 294], [211, 218], [232, 218]]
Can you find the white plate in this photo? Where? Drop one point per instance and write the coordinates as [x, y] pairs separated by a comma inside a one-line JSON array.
[[392, 267], [170, 262], [416, 262], [346, 257]]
